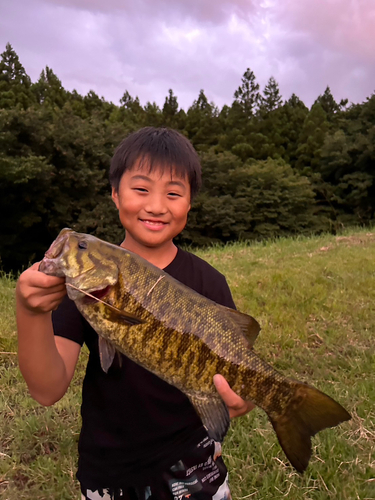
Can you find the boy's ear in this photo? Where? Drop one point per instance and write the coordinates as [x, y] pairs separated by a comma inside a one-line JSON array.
[[115, 197]]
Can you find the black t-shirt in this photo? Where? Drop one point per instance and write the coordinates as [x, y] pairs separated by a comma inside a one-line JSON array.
[[133, 423]]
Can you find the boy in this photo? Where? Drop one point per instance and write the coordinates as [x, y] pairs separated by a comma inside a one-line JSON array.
[[141, 438]]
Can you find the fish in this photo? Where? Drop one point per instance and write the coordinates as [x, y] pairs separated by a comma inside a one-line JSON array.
[[185, 339]]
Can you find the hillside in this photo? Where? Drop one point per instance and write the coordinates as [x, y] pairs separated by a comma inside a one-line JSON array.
[[314, 298]]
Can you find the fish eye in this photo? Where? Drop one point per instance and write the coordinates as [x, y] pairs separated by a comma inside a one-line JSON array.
[[82, 245]]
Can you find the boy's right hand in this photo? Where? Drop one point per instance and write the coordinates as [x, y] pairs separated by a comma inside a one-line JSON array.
[[39, 293]]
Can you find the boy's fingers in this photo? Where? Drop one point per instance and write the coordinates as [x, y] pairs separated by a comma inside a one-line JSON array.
[[236, 405], [38, 292], [230, 397], [46, 281]]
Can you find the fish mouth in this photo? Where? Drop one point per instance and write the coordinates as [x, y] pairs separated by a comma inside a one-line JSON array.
[[96, 295], [50, 264], [87, 297]]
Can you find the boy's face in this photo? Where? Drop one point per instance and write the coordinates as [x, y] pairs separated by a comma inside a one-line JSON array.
[[153, 206]]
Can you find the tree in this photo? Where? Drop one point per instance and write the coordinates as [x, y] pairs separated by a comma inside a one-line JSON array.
[[237, 122], [247, 96], [172, 116], [329, 105], [170, 108], [252, 200], [130, 112], [25, 180], [152, 116], [49, 90], [53, 173], [129, 103], [202, 123], [15, 84], [271, 98], [347, 164], [311, 140], [287, 122]]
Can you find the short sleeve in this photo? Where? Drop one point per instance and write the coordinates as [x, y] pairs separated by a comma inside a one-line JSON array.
[[68, 322], [217, 289], [197, 274]]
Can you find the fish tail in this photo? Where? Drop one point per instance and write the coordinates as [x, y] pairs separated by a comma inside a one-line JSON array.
[[308, 412]]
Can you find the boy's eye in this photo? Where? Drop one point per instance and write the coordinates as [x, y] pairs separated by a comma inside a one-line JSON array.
[[174, 194], [142, 190]]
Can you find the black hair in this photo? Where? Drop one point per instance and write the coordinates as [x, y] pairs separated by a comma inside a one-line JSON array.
[[157, 148]]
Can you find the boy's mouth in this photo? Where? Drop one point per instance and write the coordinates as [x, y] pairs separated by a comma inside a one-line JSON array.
[[153, 223]]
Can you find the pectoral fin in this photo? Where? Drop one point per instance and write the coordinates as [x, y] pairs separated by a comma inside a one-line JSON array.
[[106, 353], [123, 316], [214, 415]]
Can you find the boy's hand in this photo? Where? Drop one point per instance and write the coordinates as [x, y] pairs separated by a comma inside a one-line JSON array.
[[236, 405], [39, 293]]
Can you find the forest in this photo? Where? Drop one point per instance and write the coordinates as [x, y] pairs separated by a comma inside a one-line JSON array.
[[271, 167]]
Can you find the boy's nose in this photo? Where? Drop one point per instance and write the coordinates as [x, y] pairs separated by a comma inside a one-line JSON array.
[[155, 205]]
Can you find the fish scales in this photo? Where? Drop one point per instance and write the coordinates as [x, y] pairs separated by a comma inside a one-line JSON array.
[[185, 339], [169, 303], [187, 359]]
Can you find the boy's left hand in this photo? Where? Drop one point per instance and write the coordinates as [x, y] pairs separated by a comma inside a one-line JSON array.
[[236, 405]]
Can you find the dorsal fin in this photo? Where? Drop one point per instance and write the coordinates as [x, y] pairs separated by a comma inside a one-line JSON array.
[[249, 326]]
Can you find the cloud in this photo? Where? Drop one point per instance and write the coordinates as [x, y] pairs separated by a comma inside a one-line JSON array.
[[332, 42], [150, 46], [337, 25], [201, 11]]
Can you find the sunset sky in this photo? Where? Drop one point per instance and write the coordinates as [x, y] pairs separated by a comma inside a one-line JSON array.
[[150, 46]]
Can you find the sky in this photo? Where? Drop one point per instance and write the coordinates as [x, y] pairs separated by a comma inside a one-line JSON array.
[[147, 47]]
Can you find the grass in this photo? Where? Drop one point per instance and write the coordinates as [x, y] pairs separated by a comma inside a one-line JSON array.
[[315, 300]]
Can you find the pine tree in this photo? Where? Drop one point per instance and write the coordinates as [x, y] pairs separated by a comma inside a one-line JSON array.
[[171, 115], [271, 98], [202, 123], [153, 116], [15, 84], [311, 139], [347, 163], [170, 107], [329, 105], [49, 90], [130, 112], [247, 96], [291, 117], [129, 103]]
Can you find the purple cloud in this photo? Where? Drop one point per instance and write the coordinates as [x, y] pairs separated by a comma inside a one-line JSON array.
[[149, 46]]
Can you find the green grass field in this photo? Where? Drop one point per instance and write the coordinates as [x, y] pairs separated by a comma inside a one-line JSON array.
[[315, 300]]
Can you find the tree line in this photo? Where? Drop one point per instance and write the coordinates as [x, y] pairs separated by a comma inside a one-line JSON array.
[[271, 167]]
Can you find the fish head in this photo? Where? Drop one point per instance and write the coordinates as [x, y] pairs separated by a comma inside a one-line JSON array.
[[85, 262]]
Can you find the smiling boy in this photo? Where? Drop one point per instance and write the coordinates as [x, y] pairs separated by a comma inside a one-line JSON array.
[[153, 207], [141, 438]]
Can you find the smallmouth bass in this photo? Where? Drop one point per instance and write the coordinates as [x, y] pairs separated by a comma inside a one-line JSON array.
[[185, 339]]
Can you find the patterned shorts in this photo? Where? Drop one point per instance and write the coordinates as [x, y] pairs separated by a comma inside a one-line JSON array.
[[200, 475]]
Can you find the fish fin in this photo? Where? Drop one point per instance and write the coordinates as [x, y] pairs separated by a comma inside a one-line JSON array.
[[249, 326], [214, 415], [308, 412], [106, 353], [119, 359], [124, 316]]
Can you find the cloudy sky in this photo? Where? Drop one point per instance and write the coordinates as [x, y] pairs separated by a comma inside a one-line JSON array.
[[150, 46]]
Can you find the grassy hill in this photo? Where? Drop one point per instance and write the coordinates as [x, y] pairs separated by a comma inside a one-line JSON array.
[[315, 300]]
